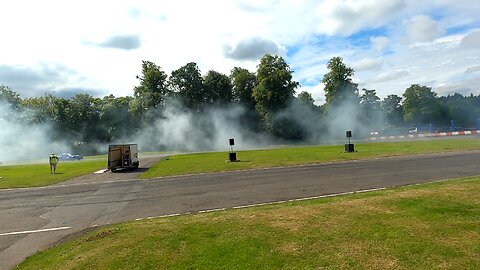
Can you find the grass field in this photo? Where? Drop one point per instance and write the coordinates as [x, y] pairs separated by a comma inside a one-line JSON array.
[[33, 175], [214, 162], [431, 226]]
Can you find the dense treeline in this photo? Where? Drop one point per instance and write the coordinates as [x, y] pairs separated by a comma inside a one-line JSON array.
[[264, 103]]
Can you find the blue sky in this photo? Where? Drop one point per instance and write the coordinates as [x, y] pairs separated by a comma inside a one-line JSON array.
[[97, 46]]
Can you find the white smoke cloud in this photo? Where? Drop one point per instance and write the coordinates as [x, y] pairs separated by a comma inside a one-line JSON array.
[[22, 142], [180, 130], [342, 118], [349, 116]]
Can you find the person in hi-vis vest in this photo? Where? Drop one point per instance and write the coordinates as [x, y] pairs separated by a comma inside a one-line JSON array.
[[53, 162]]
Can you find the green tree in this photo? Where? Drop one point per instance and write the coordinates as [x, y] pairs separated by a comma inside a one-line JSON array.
[[462, 109], [370, 104], [275, 87], [9, 96], [115, 119], [83, 117], [393, 110], [371, 113], [306, 99], [421, 106], [339, 86], [64, 120], [152, 91], [243, 83], [41, 109], [218, 88], [369, 99], [187, 83], [60, 113]]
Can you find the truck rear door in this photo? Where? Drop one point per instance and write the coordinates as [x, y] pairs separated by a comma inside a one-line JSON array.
[[114, 157]]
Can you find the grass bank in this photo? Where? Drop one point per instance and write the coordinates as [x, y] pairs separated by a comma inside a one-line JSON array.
[[34, 175], [432, 226], [215, 162]]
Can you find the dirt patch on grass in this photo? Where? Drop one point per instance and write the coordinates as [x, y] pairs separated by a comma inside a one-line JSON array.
[[291, 248], [100, 235]]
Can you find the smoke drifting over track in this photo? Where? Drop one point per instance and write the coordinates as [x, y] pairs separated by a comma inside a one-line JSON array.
[[178, 129], [181, 130], [25, 142]]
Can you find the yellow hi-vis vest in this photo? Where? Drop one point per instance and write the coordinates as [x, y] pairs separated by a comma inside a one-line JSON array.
[[53, 159]]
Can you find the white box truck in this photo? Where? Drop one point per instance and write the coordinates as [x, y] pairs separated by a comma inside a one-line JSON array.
[[122, 156]]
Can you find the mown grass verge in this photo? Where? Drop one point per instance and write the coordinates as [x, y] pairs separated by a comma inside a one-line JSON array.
[[215, 162], [34, 175], [431, 226]]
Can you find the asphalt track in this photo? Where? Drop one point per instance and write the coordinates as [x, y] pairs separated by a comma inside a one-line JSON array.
[[36, 218]]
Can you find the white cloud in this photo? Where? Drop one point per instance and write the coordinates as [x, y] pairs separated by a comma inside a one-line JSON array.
[[465, 86], [347, 17], [441, 64], [171, 33], [316, 91], [253, 49], [422, 28], [472, 69], [471, 41], [123, 42], [367, 64], [390, 75], [379, 43]]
